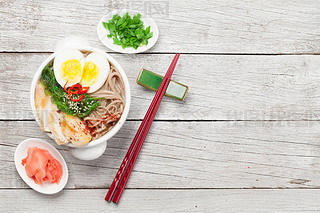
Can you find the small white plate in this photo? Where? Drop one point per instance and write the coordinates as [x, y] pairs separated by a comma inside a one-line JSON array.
[[108, 42], [46, 187]]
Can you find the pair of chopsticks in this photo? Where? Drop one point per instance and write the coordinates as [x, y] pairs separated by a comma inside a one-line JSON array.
[[124, 171]]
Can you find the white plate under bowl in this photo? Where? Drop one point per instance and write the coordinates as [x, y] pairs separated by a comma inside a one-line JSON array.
[[108, 42], [46, 187]]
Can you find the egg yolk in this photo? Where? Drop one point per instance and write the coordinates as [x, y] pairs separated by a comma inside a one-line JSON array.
[[90, 74], [71, 71]]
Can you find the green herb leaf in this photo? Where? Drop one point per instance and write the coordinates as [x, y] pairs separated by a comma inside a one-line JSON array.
[[116, 41], [149, 35], [147, 31], [120, 21], [105, 24], [127, 31]]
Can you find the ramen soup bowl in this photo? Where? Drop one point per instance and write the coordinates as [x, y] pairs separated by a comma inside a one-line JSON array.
[[94, 148]]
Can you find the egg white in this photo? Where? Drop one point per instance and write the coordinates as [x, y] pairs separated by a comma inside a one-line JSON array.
[[104, 68], [62, 56]]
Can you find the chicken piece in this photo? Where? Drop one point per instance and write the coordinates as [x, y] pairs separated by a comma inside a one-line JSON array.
[[55, 119], [67, 128], [43, 106], [75, 130]]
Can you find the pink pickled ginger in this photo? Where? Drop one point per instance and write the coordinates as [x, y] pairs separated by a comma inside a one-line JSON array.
[[41, 166]]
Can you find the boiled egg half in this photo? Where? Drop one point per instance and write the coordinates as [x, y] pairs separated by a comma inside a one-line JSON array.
[[95, 71], [68, 67]]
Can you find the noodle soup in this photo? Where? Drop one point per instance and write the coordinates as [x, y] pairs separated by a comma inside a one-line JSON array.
[[81, 113], [111, 107]]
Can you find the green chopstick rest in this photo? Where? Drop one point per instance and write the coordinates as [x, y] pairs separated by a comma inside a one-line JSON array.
[[152, 81]]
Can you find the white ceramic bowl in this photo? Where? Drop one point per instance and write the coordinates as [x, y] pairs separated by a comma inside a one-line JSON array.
[[95, 148], [108, 42]]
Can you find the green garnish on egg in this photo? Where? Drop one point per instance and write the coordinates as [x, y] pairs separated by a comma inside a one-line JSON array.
[[127, 31]]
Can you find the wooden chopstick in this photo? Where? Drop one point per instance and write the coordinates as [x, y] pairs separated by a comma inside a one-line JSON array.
[[138, 140]]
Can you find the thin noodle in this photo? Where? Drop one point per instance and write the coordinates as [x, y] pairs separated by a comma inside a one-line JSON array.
[[102, 119]]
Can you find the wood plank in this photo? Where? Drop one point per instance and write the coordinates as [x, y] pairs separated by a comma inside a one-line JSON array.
[[164, 201], [220, 87], [276, 26], [190, 155]]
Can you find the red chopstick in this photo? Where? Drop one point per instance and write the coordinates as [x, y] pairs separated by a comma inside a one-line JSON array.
[[138, 140], [143, 136], [138, 135], [135, 140]]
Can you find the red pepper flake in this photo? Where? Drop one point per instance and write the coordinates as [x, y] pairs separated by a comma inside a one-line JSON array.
[[83, 90], [76, 89], [75, 100], [64, 87]]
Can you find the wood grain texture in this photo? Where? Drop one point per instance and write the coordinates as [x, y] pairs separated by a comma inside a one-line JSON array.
[[164, 201], [246, 139], [220, 87], [277, 26], [190, 155]]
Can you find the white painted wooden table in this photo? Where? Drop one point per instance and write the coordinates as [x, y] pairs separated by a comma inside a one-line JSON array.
[[246, 139]]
